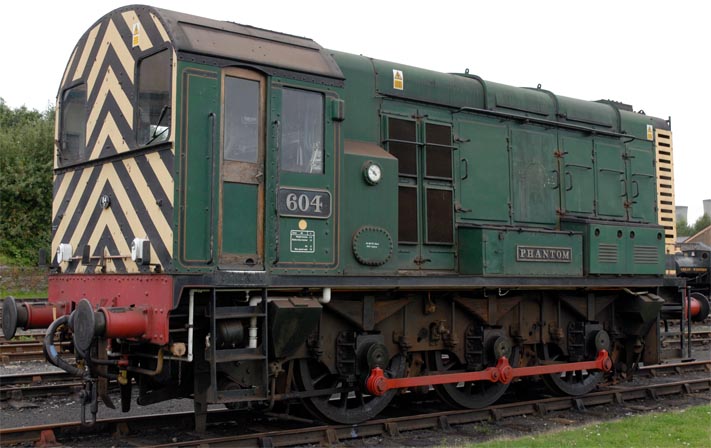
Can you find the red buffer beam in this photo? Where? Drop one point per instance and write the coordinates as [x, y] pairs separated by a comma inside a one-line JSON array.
[[377, 383]]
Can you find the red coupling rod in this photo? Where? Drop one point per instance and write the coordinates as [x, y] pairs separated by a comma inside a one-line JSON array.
[[377, 383]]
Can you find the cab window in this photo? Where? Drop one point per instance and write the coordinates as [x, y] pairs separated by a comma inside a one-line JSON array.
[[302, 131], [241, 119], [154, 112], [72, 140]]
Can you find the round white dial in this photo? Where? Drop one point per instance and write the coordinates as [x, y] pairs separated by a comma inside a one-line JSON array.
[[373, 174]]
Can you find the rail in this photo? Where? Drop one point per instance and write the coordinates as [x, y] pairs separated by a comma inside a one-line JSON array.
[[330, 434]]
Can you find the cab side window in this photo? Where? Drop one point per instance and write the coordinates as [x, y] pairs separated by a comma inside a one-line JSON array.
[[241, 119], [302, 131], [154, 114], [72, 140]]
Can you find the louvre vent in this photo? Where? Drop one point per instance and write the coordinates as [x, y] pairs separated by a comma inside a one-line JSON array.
[[665, 188], [607, 253], [646, 255]]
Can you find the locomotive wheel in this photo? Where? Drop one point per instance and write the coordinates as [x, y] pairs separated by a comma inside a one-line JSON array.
[[350, 406], [469, 395], [574, 383]]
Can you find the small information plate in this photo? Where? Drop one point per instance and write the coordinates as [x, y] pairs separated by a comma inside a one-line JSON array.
[[302, 241]]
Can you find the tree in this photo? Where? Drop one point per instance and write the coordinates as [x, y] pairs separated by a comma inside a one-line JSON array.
[[26, 142], [701, 224], [684, 229]]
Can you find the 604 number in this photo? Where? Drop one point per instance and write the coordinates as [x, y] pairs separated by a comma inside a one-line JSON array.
[[304, 203]]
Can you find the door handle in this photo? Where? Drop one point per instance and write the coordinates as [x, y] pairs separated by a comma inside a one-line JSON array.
[[569, 176], [635, 189], [459, 209], [420, 261], [465, 163]]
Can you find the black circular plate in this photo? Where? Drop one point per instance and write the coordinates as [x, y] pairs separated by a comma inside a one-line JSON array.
[[83, 322], [9, 317]]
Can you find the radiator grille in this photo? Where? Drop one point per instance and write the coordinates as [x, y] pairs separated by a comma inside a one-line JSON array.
[[607, 253], [665, 188], [646, 255]]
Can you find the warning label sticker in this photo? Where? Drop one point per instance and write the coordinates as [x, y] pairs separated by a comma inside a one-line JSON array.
[[650, 132], [136, 33], [398, 80], [302, 241]]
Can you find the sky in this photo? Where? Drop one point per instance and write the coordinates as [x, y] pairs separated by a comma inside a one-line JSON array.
[[654, 55]]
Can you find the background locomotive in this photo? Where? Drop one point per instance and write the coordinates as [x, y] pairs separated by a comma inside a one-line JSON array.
[[244, 217]]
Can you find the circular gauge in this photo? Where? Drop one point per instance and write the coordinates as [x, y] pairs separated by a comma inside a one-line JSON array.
[[372, 173]]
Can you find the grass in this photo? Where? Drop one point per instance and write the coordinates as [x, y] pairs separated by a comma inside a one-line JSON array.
[[21, 282], [690, 427], [19, 295]]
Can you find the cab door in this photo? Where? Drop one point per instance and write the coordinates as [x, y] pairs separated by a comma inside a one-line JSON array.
[[241, 217]]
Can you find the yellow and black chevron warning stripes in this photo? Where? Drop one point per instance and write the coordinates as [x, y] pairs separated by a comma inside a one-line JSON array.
[[138, 184]]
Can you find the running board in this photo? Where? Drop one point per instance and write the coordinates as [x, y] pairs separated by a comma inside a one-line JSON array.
[[378, 384]]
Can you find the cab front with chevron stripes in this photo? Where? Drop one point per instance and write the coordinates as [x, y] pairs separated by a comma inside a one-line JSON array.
[[241, 216]]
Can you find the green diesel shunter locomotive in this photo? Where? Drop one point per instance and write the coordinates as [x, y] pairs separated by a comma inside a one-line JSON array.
[[244, 217]]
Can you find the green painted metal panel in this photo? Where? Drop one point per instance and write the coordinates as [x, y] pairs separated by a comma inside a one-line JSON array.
[[483, 171], [361, 106], [426, 85], [518, 100], [199, 101], [641, 181], [534, 176], [610, 172], [577, 111], [638, 125], [370, 206], [620, 249], [476, 255], [647, 251], [489, 251], [608, 250], [578, 177], [239, 218]]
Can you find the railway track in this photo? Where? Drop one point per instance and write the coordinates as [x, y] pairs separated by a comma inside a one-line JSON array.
[[278, 431], [24, 336], [43, 384], [284, 432], [25, 350], [699, 334], [671, 343], [37, 384]]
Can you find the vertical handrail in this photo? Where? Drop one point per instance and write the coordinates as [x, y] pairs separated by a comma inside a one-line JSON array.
[[212, 117], [276, 139]]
